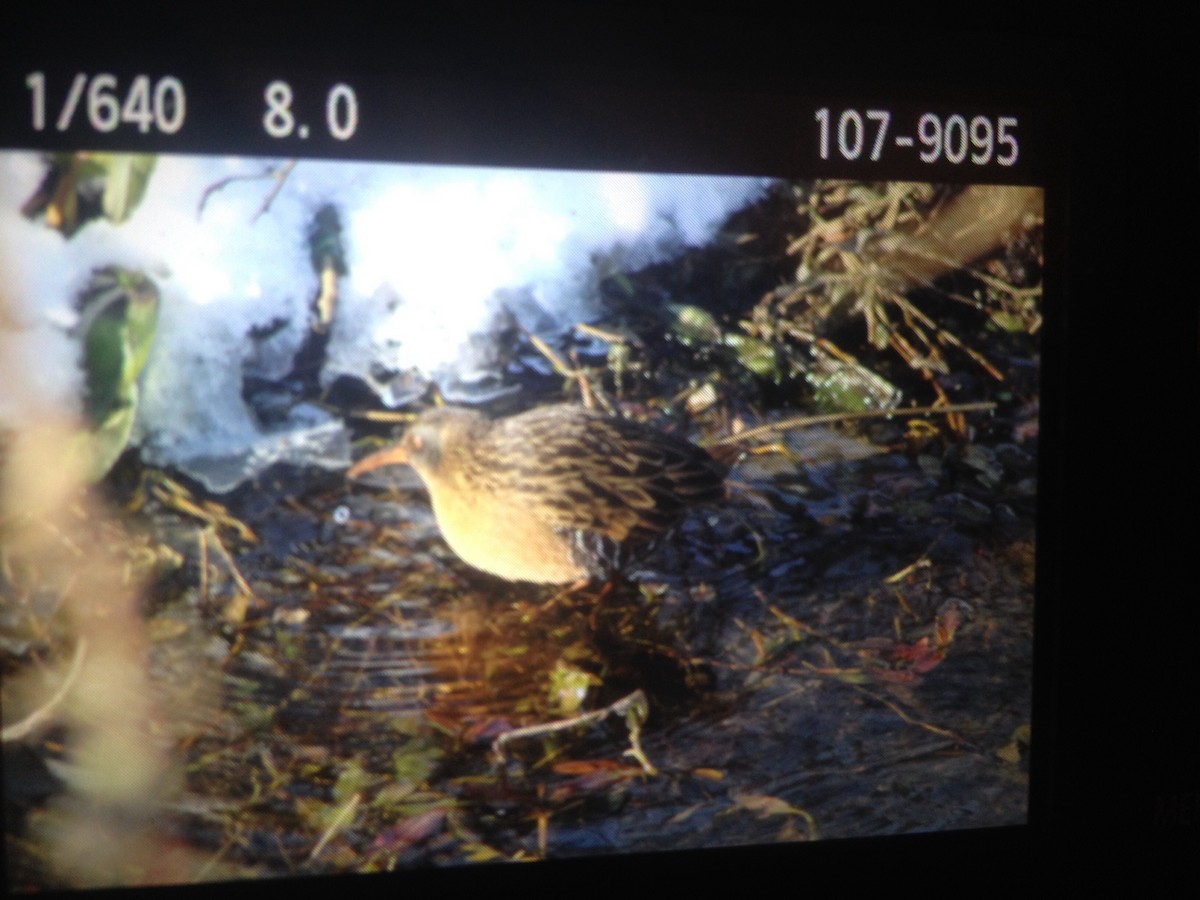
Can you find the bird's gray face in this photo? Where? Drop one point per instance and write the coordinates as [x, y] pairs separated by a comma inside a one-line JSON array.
[[433, 439], [422, 445], [429, 444]]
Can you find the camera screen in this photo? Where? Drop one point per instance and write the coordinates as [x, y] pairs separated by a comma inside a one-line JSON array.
[[417, 472]]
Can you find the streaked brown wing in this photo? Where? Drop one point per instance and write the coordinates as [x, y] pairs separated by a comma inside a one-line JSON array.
[[586, 471]]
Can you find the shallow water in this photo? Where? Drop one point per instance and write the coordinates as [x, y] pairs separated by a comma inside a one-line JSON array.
[[796, 688]]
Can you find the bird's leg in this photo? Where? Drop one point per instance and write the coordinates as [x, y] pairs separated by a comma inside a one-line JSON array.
[[605, 590], [560, 596], [568, 591]]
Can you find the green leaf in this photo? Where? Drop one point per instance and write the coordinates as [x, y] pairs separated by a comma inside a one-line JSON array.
[[693, 325], [846, 386], [759, 357], [353, 779], [118, 319], [1009, 322], [128, 174]]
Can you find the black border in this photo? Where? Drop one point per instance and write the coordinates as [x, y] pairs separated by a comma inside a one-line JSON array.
[[1115, 789]]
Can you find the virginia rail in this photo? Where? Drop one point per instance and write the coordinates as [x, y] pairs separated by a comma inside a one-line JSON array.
[[556, 495]]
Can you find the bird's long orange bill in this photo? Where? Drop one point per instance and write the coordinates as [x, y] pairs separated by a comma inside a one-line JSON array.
[[389, 456]]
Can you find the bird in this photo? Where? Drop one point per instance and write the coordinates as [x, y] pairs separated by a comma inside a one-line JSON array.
[[559, 494]]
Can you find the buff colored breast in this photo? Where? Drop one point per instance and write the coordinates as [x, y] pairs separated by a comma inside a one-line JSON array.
[[553, 495]]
